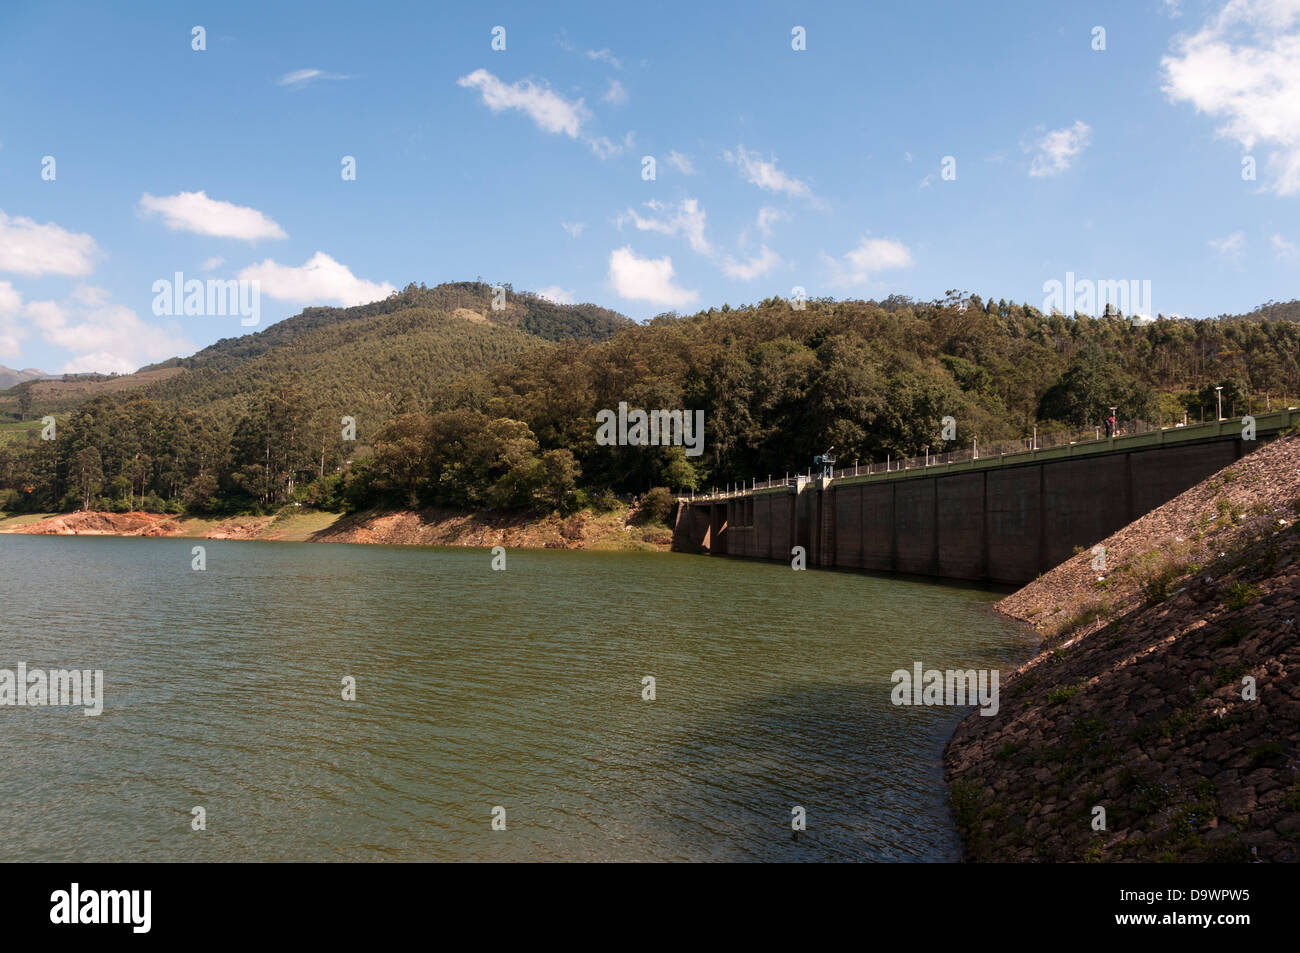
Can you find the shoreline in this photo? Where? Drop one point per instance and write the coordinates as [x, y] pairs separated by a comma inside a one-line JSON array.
[[611, 531]]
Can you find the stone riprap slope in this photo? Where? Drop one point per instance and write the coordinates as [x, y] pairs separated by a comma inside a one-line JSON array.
[[1167, 692]]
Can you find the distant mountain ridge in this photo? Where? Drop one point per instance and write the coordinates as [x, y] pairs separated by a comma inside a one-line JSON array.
[[10, 377]]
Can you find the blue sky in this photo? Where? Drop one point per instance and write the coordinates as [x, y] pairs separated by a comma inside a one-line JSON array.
[[775, 167]]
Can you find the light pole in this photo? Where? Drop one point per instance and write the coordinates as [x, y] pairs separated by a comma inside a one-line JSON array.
[[1218, 394]]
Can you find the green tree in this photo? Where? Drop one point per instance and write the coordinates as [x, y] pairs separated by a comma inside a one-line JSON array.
[[402, 454], [89, 474], [558, 479]]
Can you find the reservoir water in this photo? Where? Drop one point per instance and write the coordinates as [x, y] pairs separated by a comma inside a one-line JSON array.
[[475, 689]]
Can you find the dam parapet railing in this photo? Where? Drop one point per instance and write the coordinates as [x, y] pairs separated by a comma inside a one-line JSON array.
[[1130, 435]]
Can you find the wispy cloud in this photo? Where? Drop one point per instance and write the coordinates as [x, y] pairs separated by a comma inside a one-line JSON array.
[[681, 162], [684, 218], [616, 95], [756, 267], [548, 109], [604, 148], [573, 228], [1284, 249], [1231, 248], [605, 56], [195, 212], [1056, 150], [767, 215], [764, 173], [303, 77]]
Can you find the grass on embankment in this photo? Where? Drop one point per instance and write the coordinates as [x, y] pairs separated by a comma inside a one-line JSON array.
[[8, 521]]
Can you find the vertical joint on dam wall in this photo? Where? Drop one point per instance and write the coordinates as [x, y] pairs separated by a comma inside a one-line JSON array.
[[998, 522]]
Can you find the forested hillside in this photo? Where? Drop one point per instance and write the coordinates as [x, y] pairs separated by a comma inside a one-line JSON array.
[[417, 335], [458, 405]]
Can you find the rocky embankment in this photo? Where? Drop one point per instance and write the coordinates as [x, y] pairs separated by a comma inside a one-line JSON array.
[[616, 529], [92, 523], [1167, 691]]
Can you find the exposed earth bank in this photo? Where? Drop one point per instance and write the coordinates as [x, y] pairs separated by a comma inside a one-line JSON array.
[[612, 530], [1167, 691]]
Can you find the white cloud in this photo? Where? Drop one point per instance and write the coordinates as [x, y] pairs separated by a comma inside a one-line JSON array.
[[1058, 148], [213, 263], [195, 212], [871, 256], [102, 337], [11, 332], [767, 215], [617, 93], [605, 56], [764, 173], [682, 163], [556, 294], [756, 267], [321, 280], [604, 148], [31, 249], [11, 299], [1285, 250], [1231, 248], [301, 77], [573, 228], [90, 296], [1243, 68], [549, 110], [647, 279], [685, 218]]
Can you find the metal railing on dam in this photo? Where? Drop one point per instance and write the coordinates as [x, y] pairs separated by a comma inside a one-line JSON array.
[[1003, 517]]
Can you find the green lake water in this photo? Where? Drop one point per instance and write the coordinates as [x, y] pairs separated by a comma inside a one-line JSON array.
[[476, 689]]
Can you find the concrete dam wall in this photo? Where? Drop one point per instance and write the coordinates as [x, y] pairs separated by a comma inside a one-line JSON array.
[[997, 520]]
